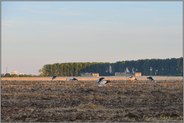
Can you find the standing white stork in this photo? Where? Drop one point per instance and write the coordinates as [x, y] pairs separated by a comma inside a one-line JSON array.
[[72, 79], [53, 77], [150, 78]]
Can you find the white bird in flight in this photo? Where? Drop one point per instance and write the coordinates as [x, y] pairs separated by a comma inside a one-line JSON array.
[[101, 81]]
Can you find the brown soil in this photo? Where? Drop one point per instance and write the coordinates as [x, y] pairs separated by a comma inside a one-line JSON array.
[[120, 101]]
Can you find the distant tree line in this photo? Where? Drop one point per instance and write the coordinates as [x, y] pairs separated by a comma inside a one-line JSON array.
[[16, 75], [168, 67]]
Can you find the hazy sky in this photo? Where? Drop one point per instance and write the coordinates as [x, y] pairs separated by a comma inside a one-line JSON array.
[[39, 33]]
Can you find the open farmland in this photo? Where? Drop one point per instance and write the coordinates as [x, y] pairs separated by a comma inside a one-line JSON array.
[[120, 100]]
